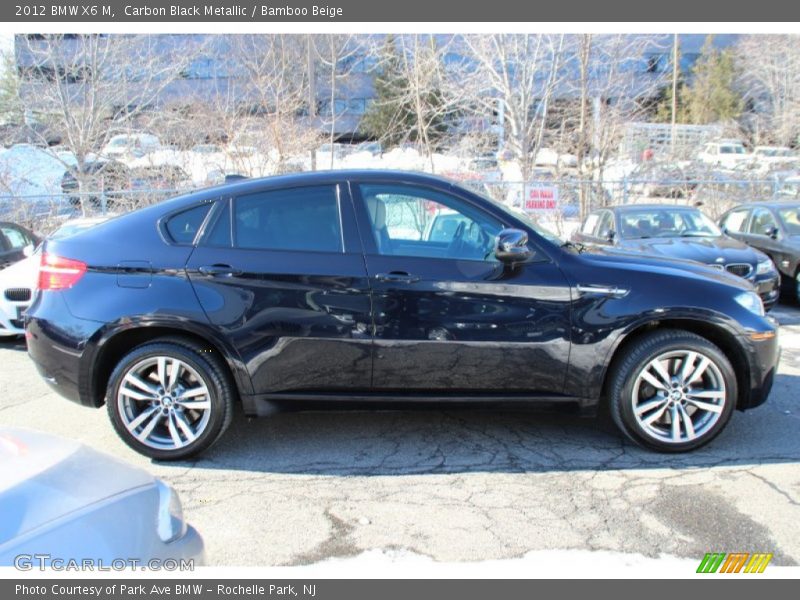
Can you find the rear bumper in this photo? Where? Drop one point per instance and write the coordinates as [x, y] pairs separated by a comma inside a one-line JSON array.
[[56, 344]]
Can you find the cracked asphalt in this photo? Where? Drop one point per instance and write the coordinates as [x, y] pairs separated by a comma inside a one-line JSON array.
[[464, 484]]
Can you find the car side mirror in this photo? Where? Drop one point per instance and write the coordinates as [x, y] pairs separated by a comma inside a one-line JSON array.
[[28, 250], [772, 232], [511, 246]]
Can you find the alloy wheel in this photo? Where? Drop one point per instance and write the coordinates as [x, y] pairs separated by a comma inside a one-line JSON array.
[[164, 402], [678, 396]]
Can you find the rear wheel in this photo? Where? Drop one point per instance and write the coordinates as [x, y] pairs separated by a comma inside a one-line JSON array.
[[672, 391], [170, 399]]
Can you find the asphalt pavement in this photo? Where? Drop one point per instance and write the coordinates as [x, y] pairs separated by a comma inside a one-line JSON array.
[[464, 484]]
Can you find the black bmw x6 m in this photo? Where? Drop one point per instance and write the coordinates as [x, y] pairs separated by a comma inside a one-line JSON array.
[[375, 285]]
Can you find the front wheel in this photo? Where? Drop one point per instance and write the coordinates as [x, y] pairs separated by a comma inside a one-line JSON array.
[[672, 391], [170, 399]]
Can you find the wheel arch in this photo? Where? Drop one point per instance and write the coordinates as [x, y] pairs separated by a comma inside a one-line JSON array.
[[718, 335], [112, 344]]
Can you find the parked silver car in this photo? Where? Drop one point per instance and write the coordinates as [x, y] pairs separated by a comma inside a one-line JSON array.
[[64, 503]]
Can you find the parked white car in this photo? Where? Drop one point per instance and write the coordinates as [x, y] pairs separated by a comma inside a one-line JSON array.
[[130, 145], [768, 158], [18, 282], [729, 154]]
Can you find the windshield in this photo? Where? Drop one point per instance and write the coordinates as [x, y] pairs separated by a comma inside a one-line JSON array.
[[522, 216], [665, 223], [791, 219]]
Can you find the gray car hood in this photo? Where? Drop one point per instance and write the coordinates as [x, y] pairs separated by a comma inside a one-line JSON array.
[[44, 477]]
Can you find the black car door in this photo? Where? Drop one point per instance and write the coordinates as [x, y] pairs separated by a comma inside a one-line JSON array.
[[447, 315], [281, 273]]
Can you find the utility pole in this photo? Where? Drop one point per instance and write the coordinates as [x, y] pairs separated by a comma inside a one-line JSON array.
[[674, 93], [312, 94]]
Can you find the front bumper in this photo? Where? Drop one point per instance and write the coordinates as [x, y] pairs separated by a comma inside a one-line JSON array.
[[769, 288], [12, 317], [763, 356]]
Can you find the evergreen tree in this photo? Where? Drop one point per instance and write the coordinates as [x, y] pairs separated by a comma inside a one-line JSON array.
[[712, 94], [390, 116], [11, 109]]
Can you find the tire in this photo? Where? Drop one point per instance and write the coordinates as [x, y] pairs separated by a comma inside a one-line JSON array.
[[797, 287], [165, 419], [645, 412]]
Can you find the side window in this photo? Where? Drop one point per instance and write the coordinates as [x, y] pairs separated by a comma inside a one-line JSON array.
[[221, 233], [16, 238], [304, 218], [183, 227], [735, 221], [605, 226], [590, 223], [762, 222], [415, 221]]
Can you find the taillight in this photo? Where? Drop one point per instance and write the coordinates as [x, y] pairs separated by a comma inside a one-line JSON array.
[[59, 273]]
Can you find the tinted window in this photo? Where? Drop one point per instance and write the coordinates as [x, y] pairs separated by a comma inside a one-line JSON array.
[[762, 222], [221, 230], [415, 221], [735, 221], [183, 227], [291, 219]]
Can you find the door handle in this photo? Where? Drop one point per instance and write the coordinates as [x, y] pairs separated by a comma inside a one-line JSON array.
[[397, 277], [219, 270]]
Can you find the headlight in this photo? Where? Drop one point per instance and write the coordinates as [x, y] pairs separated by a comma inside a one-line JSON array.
[[764, 266], [751, 301], [171, 525]]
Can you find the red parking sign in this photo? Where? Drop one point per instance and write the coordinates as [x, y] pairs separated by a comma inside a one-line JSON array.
[[539, 198]]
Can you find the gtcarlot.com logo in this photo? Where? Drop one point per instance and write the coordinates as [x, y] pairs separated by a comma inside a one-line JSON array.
[[737, 562]]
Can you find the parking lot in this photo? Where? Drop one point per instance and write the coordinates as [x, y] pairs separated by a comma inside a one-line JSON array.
[[464, 485]]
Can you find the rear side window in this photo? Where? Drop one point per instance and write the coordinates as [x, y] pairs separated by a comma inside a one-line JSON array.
[[305, 219], [183, 227]]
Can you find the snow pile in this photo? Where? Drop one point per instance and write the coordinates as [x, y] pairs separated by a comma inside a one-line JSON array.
[[29, 173]]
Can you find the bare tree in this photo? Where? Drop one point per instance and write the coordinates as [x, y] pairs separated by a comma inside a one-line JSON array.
[[770, 66], [89, 87], [336, 59], [514, 75], [614, 85], [274, 98]]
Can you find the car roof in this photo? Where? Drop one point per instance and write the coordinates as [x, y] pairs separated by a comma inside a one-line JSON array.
[[652, 206], [768, 204], [331, 176]]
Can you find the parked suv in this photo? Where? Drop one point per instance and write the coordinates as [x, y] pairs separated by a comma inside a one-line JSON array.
[[773, 228], [325, 286]]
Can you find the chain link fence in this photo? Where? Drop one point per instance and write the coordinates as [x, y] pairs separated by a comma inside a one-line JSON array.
[[553, 201]]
